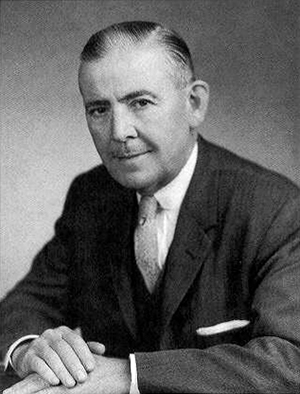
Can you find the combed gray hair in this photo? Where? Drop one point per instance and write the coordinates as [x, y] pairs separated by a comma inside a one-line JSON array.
[[137, 32]]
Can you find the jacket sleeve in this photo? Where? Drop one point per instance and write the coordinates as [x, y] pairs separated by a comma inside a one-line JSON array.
[[41, 299], [270, 361]]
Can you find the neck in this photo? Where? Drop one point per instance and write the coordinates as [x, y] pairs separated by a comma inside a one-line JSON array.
[[154, 188]]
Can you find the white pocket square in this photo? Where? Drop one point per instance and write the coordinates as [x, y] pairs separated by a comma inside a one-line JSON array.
[[222, 327]]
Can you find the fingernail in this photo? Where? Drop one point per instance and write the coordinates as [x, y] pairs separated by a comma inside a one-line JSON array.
[[89, 366], [70, 382], [81, 376], [55, 381]]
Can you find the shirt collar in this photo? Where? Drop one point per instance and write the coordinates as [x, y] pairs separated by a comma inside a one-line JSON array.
[[171, 196]]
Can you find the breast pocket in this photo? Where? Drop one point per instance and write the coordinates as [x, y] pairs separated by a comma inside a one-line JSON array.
[[235, 331]]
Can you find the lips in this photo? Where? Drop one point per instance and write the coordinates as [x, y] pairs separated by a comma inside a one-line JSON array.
[[129, 155], [124, 151]]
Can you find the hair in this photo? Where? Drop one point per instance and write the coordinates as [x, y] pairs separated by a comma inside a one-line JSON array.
[[138, 32]]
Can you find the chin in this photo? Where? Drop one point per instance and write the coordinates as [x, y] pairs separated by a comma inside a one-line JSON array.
[[138, 183]]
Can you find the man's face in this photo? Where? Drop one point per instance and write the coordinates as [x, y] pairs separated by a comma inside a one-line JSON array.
[[137, 116]]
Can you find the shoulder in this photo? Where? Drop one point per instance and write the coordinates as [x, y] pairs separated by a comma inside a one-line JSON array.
[[94, 188], [243, 193], [95, 182], [239, 175]]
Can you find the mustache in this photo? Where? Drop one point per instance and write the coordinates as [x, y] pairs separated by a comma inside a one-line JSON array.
[[124, 150]]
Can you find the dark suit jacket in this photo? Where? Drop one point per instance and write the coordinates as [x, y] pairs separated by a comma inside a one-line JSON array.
[[235, 255]]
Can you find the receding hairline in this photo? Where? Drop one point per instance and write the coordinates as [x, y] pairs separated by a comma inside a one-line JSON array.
[[119, 36], [179, 74]]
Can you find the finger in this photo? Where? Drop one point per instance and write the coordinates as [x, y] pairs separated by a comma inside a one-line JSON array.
[[56, 364], [80, 348], [70, 360], [96, 347], [39, 366], [55, 390], [31, 384]]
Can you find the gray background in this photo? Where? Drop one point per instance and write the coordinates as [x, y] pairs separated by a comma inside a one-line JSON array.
[[245, 50]]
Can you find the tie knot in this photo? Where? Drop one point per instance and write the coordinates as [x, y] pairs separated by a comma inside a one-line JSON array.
[[147, 209]]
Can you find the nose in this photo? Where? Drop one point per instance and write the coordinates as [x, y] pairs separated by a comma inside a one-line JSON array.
[[122, 126]]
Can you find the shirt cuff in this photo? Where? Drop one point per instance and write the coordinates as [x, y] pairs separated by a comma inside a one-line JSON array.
[[134, 385], [7, 359]]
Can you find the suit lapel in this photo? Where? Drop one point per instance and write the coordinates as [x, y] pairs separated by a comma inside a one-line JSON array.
[[192, 243], [189, 249], [186, 256]]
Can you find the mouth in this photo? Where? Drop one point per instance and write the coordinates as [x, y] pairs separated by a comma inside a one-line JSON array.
[[129, 155]]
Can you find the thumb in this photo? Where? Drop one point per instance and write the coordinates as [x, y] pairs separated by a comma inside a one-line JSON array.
[[96, 347]]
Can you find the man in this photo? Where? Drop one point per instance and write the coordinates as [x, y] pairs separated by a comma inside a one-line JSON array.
[[178, 260]]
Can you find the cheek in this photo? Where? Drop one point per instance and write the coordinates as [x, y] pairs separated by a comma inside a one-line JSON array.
[[173, 118], [101, 145], [161, 127], [100, 135]]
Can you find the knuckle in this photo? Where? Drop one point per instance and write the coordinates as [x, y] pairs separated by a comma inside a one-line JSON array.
[[69, 335], [52, 333], [35, 364], [34, 348], [38, 344], [52, 337], [44, 352], [64, 330], [47, 333], [30, 354], [58, 344]]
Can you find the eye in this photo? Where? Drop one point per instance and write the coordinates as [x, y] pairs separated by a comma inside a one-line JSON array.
[[97, 112], [140, 103]]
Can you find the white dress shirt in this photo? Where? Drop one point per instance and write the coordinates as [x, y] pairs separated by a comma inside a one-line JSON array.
[[169, 199]]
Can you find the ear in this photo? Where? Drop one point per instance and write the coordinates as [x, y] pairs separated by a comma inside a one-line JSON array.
[[198, 96]]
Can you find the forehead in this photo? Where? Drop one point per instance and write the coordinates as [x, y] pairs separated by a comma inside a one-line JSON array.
[[127, 68]]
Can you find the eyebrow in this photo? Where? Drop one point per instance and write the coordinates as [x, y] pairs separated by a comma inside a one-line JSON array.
[[137, 93], [127, 97]]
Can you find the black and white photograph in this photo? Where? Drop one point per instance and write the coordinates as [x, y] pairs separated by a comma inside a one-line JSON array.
[[150, 196]]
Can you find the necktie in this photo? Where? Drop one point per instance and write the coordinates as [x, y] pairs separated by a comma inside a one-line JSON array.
[[145, 242]]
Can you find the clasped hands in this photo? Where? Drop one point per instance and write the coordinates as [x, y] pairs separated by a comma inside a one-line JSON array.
[[60, 361]]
